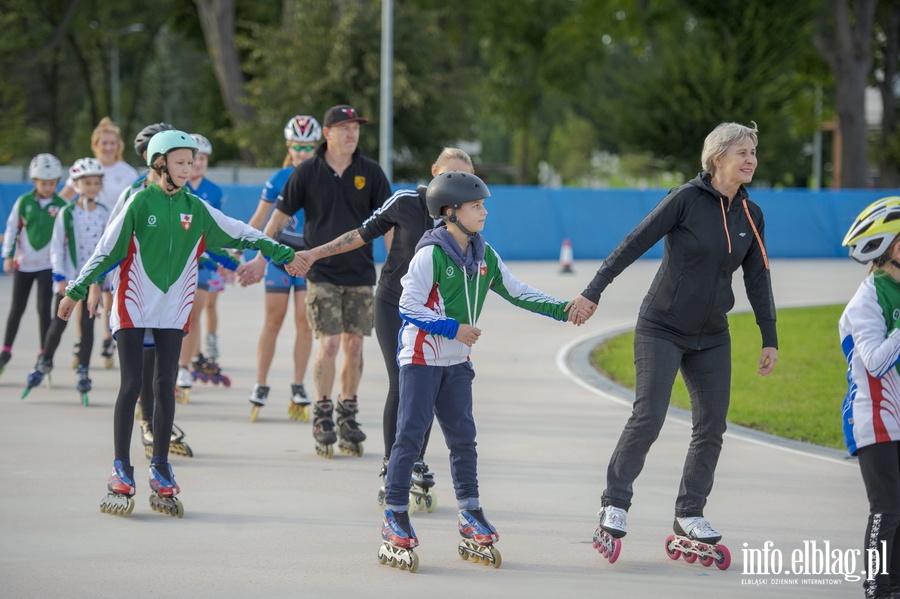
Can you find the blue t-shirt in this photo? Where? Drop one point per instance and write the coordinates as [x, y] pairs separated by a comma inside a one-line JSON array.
[[209, 191], [272, 190]]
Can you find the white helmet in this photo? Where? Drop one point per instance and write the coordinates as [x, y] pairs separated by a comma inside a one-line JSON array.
[[203, 145], [874, 229], [302, 128], [85, 167], [45, 166]]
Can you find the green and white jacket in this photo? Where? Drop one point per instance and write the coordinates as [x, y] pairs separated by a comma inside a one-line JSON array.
[[156, 242], [444, 288], [29, 229]]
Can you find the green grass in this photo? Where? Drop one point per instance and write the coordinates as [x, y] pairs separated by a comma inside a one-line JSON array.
[[802, 397]]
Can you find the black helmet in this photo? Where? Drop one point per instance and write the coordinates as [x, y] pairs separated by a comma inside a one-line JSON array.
[[453, 188], [142, 139]]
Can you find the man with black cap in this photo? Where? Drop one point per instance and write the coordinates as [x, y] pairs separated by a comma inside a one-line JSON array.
[[337, 189]]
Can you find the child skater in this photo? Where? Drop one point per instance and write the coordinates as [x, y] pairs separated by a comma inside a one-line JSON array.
[[443, 293], [26, 248], [76, 234], [155, 242], [870, 339]]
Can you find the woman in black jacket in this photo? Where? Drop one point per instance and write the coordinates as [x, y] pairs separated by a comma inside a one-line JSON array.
[[710, 228]]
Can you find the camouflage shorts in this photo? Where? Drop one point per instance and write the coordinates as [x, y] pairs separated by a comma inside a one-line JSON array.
[[335, 309]]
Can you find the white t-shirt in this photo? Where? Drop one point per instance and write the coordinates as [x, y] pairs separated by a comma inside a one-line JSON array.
[[115, 178]]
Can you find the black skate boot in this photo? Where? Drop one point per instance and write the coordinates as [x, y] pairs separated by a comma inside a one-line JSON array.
[[5, 357], [177, 444], [258, 399], [83, 384], [109, 348], [348, 429], [41, 369], [421, 496], [323, 427], [298, 409]]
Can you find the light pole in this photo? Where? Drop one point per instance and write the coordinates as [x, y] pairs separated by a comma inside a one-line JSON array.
[[386, 128], [114, 67]]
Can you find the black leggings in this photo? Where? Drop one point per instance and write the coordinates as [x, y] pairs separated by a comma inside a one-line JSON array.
[[880, 468], [167, 347], [387, 329], [58, 326], [22, 282]]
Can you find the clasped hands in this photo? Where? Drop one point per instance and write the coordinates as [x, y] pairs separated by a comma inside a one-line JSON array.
[[580, 310], [253, 271]]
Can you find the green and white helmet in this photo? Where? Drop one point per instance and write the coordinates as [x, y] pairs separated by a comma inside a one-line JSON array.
[[165, 141]]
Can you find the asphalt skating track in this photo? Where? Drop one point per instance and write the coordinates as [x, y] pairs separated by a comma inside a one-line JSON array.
[[266, 517]]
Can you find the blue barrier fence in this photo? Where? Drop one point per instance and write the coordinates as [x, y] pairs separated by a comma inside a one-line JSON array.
[[529, 223]]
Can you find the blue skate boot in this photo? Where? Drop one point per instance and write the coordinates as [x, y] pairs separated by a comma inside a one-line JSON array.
[[164, 487], [479, 537], [36, 376], [398, 538], [120, 499]]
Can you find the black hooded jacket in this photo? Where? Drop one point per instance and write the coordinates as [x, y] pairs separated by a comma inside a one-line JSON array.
[[705, 243]]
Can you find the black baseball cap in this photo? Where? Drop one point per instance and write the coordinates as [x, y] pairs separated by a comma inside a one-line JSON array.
[[342, 113]]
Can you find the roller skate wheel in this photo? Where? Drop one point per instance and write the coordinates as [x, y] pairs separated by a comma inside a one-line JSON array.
[[413, 562], [75, 363], [382, 558], [326, 451], [416, 502], [495, 553], [107, 363], [724, 559], [690, 557], [672, 549], [182, 449], [148, 451], [84, 399], [430, 502], [462, 552], [614, 551], [226, 381], [706, 561], [382, 499], [254, 413]]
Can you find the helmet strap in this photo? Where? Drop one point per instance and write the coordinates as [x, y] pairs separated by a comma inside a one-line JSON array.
[[452, 219], [170, 184]]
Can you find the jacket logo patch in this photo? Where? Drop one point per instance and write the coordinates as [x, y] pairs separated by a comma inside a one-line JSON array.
[[450, 271], [53, 211], [359, 182], [744, 234], [186, 221], [483, 270], [151, 220]]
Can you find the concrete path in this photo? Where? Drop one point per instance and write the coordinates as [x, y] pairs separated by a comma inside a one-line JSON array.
[[266, 517]]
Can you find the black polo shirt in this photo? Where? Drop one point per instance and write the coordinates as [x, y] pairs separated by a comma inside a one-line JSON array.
[[332, 206]]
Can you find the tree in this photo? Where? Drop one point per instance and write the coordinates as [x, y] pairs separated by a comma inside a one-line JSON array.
[[886, 75], [844, 38]]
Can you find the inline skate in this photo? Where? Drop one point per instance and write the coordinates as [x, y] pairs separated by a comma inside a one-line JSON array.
[[83, 384], [258, 399], [695, 539], [5, 357], [382, 501], [298, 409], [398, 540], [109, 348], [183, 385], [609, 533], [348, 429], [164, 487], [120, 499], [479, 537], [420, 489], [177, 445], [42, 368], [323, 427], [208, 371]]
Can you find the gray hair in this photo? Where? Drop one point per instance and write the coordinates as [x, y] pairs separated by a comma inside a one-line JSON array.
[[720, 139], [449, 154]]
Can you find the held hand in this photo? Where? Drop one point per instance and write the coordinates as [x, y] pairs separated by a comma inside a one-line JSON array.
[[468, 334], [295, 266], [580, 310], [66, 305], [306, 261], [767, 360], [252, 272], [8, 266], [61, 288], [94, 300]]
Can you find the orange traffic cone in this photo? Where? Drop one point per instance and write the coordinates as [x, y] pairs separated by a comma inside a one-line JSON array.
[[565, 257]]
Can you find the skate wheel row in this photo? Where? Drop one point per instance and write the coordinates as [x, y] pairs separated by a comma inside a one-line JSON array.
[[487, 555], [254, 412], [607, 545], [706, 554], [382, 498], [326, 451], [298, 412], [107, 363], [183, 395], [84, 399], [427, 502], [120, 505], [405, 559], [167, 505], [349, 448]]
